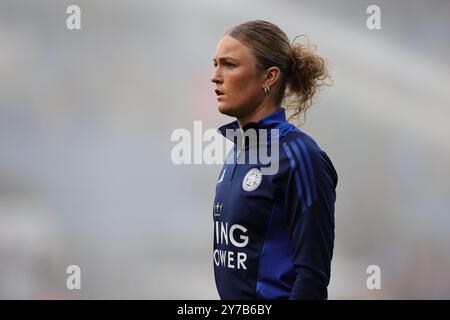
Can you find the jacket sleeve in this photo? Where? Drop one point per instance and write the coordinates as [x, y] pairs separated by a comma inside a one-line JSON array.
[[309, 182]]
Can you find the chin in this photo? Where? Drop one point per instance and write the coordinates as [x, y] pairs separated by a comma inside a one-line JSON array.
[[226, 110]]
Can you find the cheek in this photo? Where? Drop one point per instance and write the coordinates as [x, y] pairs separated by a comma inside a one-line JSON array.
[[244, 84]]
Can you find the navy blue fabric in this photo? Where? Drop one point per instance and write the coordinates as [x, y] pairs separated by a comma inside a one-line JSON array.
[[275, 242]]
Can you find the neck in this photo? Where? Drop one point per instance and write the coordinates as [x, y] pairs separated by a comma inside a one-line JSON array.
[[260, 112]]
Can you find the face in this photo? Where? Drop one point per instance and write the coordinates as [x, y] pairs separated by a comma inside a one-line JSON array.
[[235, 75]]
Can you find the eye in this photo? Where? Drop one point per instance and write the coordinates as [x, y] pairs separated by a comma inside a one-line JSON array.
[[228, 65]]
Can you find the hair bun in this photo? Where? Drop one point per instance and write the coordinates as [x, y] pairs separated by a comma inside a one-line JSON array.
[[306, 76]]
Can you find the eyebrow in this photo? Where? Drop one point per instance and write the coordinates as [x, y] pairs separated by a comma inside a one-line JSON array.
[[225, 58]]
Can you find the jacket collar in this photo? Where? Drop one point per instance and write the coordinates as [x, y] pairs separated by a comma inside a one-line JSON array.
[[271, 121]]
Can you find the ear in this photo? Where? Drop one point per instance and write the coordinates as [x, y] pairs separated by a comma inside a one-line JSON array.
[[272, 76]]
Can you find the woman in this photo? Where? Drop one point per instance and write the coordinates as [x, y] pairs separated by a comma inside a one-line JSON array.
[[273, 233]]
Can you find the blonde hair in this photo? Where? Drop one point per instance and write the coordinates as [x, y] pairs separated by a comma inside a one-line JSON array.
[[303, 71]]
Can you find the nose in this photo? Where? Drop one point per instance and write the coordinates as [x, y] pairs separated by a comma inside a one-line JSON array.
[[215, 78]]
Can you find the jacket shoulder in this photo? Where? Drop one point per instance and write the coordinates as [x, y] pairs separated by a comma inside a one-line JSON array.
[[299, 151]]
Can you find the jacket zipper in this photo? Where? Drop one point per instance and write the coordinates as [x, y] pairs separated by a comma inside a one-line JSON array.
[[238, 152]]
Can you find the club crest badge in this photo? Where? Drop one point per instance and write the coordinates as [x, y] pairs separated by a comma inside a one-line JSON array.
[[252, 180]]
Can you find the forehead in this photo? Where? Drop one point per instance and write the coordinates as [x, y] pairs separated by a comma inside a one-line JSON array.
[[232, 48]]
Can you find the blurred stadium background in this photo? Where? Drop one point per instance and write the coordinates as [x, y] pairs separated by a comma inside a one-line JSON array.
[[85, 124]]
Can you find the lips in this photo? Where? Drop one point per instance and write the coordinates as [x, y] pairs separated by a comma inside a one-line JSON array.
[[219, 93]]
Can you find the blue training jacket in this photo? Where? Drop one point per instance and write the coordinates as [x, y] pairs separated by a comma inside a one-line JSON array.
[[274, 233]]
